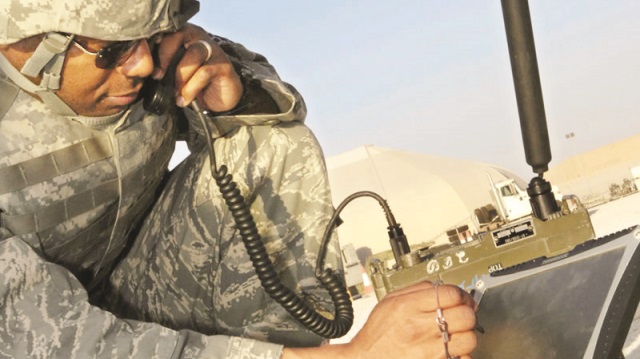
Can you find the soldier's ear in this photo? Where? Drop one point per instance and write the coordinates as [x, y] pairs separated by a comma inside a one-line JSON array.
[[27, 45], [18, 52]]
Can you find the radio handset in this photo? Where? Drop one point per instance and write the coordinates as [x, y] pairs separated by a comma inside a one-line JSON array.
[[158, 95], [158, 98]]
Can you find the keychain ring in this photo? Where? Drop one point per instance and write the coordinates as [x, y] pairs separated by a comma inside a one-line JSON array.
[[443, 326]]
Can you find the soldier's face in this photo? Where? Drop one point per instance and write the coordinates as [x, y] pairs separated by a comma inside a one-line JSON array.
[[91, 91], [87, 89]]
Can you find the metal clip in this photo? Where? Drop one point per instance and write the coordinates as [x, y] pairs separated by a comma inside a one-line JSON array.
[[443, 326]]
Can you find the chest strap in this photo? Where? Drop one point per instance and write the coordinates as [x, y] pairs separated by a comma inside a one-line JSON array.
[[49, 166], [46, 217], [9, 92]]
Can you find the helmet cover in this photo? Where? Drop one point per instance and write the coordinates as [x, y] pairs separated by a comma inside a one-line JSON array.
[[109, 20]]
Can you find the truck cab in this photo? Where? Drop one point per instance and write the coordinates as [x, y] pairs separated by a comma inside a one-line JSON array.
[[512, 201]]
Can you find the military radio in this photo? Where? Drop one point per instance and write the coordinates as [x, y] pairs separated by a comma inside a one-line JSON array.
[[544, 285], [554, 227]]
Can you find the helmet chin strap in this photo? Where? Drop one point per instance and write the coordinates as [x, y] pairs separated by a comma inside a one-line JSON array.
[[48, 58]]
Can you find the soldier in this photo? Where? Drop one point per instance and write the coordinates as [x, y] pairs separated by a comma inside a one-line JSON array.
[[82, 160]]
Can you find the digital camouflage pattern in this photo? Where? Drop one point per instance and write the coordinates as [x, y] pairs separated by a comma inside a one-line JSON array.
[[75, 194], [189, 267], [45, 314], [106, 20], [72, 189]]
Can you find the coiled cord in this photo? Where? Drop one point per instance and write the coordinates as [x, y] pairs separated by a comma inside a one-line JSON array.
[[291, 302], [268, 276]]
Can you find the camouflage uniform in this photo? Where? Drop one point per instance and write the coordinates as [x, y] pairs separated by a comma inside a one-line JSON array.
[[189, 267], [71, 190]]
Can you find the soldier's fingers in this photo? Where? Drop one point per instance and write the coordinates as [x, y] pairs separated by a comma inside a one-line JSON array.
[[450, 295], [167, 49], [219, 87], [187, 68], [459, 319], [462, 344], [427, 298]]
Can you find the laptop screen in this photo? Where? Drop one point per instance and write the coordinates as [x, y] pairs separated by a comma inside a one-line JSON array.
[[573, 307]]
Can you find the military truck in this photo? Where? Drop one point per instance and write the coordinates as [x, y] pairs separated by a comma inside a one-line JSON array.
[[510, 203]]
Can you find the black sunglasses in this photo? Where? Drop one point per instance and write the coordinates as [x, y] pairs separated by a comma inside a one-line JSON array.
[[116, 53]]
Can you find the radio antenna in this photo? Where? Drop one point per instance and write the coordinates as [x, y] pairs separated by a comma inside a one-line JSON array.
[[533, 122]]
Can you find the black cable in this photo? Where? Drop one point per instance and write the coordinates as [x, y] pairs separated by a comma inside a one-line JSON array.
[[334, 219], [397, 239], [156, 99], [291, 302]]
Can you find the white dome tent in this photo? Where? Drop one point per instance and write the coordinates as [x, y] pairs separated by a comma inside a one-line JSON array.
[[427, 194]]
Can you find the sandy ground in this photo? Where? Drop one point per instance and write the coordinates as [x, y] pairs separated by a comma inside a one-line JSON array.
[[606, 218]]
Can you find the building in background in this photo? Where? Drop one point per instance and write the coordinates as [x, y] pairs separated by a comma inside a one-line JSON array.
[[430, 196], [596, 176]]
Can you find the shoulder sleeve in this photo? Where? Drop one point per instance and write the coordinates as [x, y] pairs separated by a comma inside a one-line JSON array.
[[256, 71], [267, 99], [45, 313]]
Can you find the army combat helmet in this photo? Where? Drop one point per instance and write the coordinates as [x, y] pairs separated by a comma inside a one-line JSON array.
[[113, 20]]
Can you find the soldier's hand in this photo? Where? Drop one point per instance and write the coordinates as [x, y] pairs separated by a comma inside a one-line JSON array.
[[204, 72], [403, 325]]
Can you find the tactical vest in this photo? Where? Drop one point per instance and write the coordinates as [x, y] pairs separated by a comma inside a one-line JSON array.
[[73, 187]]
